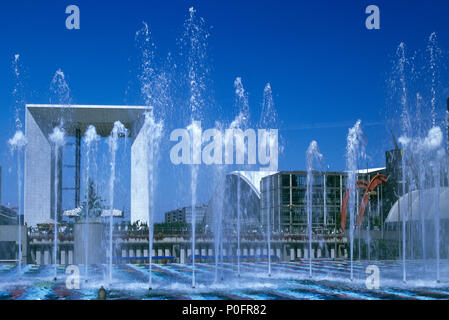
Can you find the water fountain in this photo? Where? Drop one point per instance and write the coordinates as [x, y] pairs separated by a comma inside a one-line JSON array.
[[268, 120], [219, 179], [118, 131], [57, 138], [240, 122], [152, 132], [355, 149], [153, 91], [90, 139], [312, 154], [196, 42], [18, 143], [422, 153]]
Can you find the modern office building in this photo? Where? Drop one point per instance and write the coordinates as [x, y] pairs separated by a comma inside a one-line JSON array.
[[9, 236], [8, 216], [185, 214], [283, 199]]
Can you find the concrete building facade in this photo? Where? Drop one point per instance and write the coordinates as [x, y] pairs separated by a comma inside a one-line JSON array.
[[40, 171]]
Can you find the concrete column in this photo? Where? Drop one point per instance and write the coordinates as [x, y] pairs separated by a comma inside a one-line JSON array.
[[251, 251], [159, 252], [33, 256], [318, 254], [63, 257], [183, 256], [298, 253], [265, 251], [38, 256], [312, 253], [153, 252], [131, 253], [39, 175], [138, 253], [139, 176], [292, 254], [124, 253], [306, 253], [167, 253], [245, 251], [46, 256], [278, 253], [210, 252], [145, 252], [258, 251], [332, 253], [70, 257]]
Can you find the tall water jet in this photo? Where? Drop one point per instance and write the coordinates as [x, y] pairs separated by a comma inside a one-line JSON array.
[[152, 132], [355, 149], [195, 40], [312, 154], [269, 228], [421, 180], [153, 88], [118, 131], [241, 121], [406, 128], [90, 139], [402, 203], [60, 94], [57, 138], [218, 204], [239, 214], [17, 92], [268, 120], [195, 133], [437, 173], [434, 57], [18, 143]]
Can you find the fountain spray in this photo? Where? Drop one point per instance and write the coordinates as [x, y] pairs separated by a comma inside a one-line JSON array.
[[195, 131], [18, 143], [268, 120], [355, 149], [312, 153], [118, 130], [90, 137], [57, 137], [195, 40], [403, 210], [152, 132]]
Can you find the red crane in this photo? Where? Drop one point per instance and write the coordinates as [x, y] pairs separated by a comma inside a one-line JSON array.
[[368, 187]]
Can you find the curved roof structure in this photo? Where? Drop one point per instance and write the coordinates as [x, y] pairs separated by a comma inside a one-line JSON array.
[[253, 178], [427, 200], [224, 200]]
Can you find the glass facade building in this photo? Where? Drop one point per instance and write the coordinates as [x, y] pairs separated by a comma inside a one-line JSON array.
[[284, 202]]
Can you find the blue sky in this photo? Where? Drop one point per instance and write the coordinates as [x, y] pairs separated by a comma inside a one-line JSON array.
[[325, 68]]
